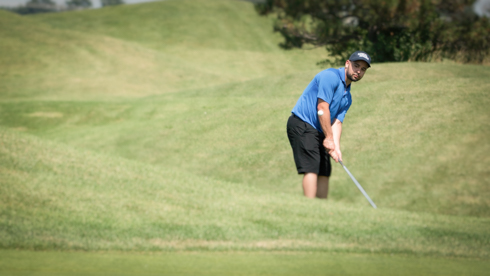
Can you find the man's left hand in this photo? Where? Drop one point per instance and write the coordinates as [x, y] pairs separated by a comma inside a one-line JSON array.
[[339, 155]]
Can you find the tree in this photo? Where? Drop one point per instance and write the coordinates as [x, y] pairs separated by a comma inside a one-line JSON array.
[[75, 4], [41, 3], [36, 6], [111, 2], [390, 30]]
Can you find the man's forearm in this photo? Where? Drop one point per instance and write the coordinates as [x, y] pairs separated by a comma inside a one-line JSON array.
[[326, 125], [337, 132], [325, 120]]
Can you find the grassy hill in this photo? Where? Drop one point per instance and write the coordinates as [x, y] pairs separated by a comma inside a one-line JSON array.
[[125, 52], [162, 126], [56, 197], [417, 146]]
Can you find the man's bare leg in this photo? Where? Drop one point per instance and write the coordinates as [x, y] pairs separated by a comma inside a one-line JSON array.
[[310, 184], [322, 187]]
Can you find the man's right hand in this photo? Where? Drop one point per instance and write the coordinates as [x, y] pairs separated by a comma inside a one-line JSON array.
[[330, 147]]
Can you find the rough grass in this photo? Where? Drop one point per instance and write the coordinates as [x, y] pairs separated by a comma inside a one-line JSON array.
[[55, 197], [415, 143], [125, 52]]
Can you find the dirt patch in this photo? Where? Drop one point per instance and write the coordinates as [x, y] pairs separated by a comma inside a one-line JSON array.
[[46, 114]]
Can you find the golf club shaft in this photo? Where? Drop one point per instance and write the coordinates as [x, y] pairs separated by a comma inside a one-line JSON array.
[[358, 185]]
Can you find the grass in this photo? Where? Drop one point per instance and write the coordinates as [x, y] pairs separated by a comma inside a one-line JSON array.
[[89, 201], [234, 263], [430, 151], [124, 52], [160, 129]]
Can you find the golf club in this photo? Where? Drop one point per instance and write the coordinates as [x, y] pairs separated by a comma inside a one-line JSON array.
[[358, 185]]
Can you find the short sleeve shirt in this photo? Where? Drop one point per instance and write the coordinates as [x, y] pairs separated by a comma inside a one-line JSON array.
[[328, 85]]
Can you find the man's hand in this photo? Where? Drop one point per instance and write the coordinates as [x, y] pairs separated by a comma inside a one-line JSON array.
[[339, 154], [329, 145], [337, 131]]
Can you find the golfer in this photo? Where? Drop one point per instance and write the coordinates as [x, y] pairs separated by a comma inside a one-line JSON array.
[[315, 126]]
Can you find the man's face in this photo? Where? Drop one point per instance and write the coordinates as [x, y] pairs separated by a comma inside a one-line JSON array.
[[355, 69]]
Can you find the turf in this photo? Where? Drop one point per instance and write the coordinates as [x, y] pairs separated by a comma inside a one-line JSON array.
[[419, 147], [161, 127], [231, 263], [55, 197], [140, 50]]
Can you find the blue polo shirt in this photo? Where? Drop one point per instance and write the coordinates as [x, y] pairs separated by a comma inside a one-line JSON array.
[[328, 85]]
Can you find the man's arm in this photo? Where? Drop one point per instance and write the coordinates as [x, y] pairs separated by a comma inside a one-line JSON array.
[[326, 125], [337, 132]]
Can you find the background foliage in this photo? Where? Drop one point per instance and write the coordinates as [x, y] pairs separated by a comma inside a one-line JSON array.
[[389, 30]]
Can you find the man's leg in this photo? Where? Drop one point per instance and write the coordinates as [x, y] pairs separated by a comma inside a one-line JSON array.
[[315, 186], [310, 184], [322, 187]]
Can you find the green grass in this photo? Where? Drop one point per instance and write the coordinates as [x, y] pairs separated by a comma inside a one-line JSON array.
[[161, 127], [231, 263], [55, 197], [140, 50], [419, 147]]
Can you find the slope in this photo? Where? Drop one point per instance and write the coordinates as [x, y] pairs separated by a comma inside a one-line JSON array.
[[224, 38], [139, 50], [413, 143], [416, 137], [39, 61], [56, 197]]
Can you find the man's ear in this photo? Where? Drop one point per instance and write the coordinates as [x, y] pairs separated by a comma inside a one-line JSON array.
[[347, 63]]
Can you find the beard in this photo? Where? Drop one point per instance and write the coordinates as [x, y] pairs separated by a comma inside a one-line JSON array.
[[350, 76]]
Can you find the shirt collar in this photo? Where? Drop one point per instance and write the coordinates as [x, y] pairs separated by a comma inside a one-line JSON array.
[[342, 77]]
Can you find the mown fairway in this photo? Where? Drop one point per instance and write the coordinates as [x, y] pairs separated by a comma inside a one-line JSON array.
[[231, 263], [161, 127]]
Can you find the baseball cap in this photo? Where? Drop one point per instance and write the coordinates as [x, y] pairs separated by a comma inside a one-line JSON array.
[[360, 55]]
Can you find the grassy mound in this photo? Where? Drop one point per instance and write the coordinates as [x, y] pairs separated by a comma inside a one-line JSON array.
[[55, 197], [420, 145], [140, 50]]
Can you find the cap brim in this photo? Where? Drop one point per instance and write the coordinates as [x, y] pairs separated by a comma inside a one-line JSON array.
[[369, 64]]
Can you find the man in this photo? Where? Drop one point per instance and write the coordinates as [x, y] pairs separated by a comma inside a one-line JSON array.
[[315, 126]]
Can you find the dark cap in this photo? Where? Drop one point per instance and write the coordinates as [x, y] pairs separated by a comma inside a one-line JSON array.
[[360, 55]]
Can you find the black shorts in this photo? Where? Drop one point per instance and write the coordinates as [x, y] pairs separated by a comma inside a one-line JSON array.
[[307, 143]]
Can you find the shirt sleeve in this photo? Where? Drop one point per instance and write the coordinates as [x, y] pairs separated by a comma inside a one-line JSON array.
[[341, 115], [327, 84]]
